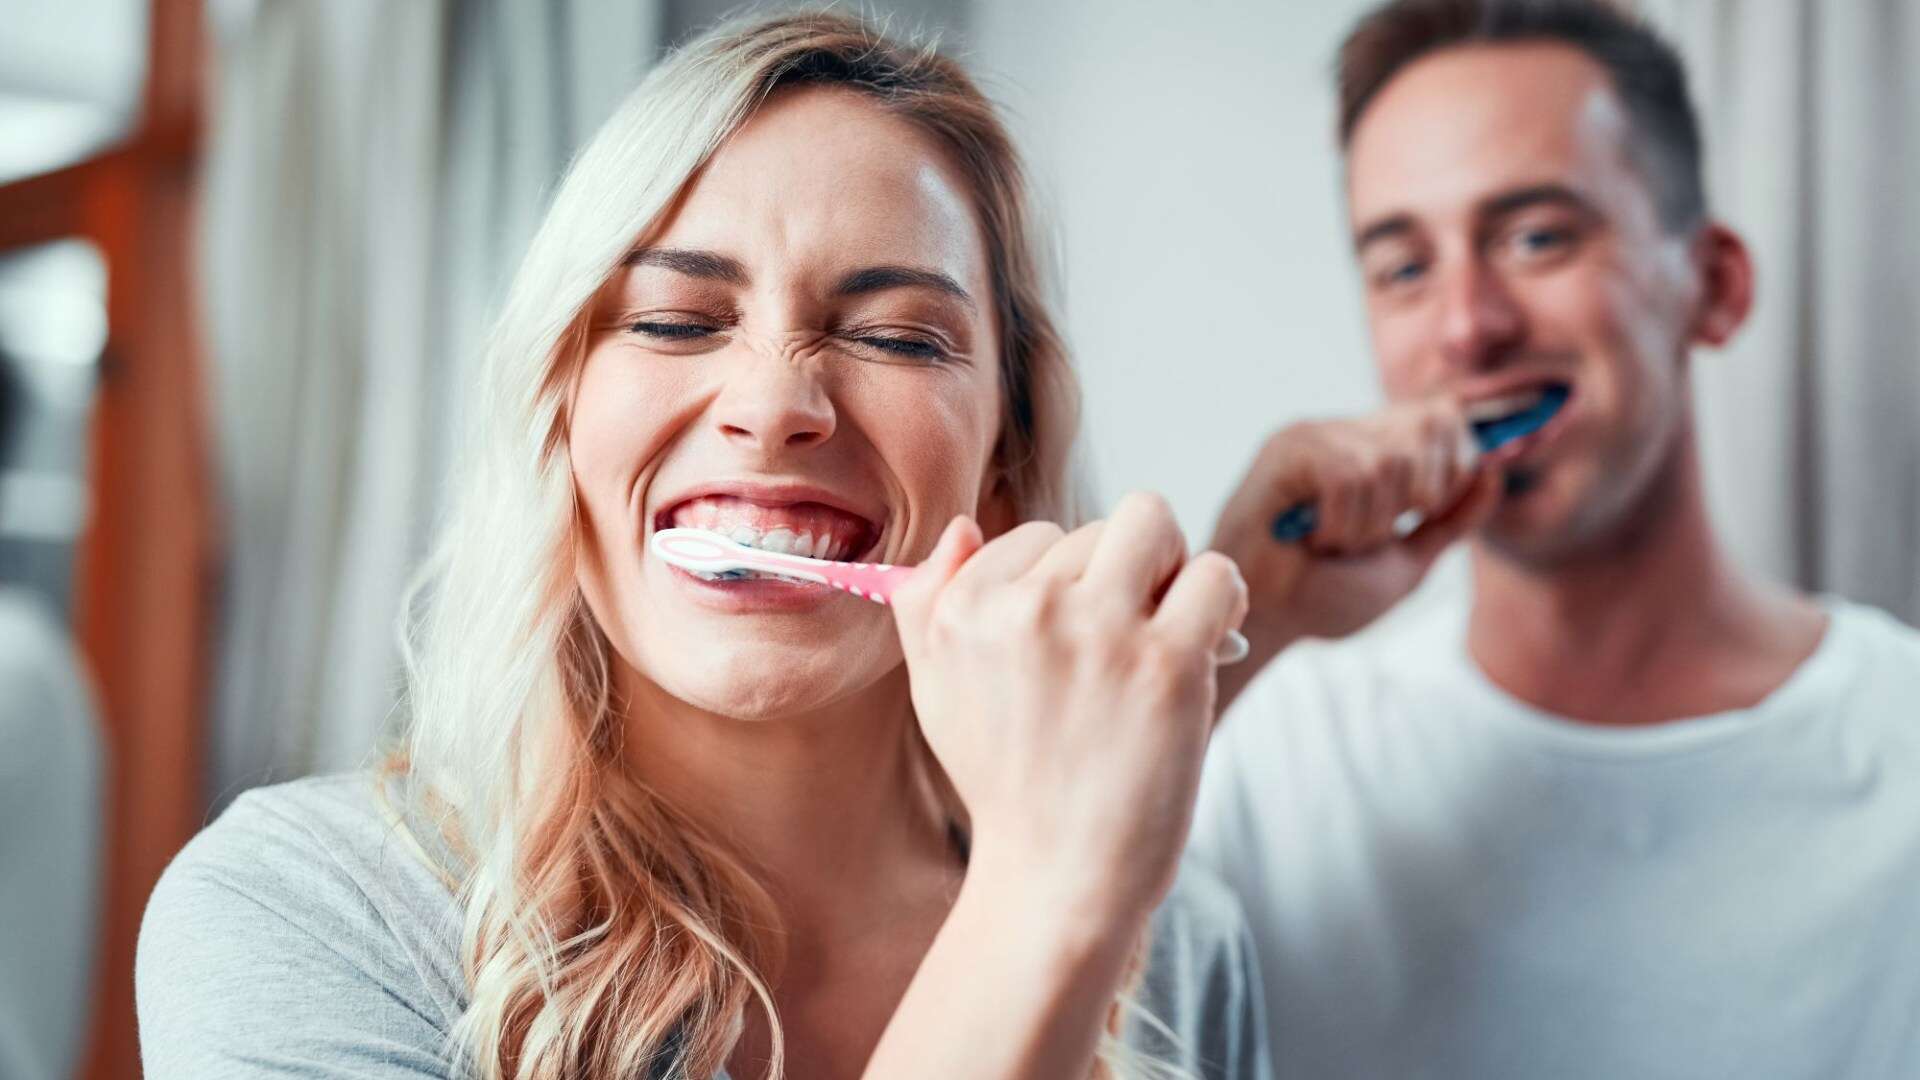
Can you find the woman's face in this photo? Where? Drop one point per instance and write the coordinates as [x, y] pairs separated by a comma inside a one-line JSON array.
[[802, 356]]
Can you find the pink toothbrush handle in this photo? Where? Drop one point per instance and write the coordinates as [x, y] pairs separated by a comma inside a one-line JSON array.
[[875, 581], [694, 550]]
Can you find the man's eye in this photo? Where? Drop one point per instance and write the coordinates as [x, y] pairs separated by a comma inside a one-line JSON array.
[[1399, 274], [664, 331], [1541, 241]]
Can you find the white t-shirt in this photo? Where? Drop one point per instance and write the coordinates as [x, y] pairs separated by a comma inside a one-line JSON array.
[[1445, 882]]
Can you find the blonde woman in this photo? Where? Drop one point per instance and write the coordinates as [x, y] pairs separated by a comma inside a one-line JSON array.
[[649, 825]]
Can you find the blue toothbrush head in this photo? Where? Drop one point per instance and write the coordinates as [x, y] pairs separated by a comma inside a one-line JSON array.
[[1499, 431]]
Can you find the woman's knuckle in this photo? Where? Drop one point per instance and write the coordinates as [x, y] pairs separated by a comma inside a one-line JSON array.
[[1217, 569], [1036, 530], [1162, 663], [1031, 607], [1150, 506], [953, 617]]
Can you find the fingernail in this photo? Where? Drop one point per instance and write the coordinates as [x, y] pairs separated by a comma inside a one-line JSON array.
[[1469, 450], [1233, 648]]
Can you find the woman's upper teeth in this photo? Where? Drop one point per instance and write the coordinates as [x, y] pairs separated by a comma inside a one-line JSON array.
[[786, 542], [809, 529]]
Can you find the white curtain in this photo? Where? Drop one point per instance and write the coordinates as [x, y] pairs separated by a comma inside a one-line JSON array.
[[375, 171], [1811, 419]]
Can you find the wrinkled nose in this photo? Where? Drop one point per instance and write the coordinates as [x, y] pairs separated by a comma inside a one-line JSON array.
[[774, 404]]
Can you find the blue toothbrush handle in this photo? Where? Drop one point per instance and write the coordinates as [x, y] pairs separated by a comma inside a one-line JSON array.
[[1296, 522]]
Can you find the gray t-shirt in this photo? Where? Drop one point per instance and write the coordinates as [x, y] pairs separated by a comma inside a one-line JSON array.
[[300, 936]]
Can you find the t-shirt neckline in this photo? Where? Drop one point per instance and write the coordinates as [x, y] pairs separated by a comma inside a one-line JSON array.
[[1821, 673]]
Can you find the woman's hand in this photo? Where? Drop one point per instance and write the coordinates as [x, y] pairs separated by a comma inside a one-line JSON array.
[[1066, 683]]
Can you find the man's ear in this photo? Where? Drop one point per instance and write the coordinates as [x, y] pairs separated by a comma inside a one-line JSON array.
[[997, 513], [1726, 284]]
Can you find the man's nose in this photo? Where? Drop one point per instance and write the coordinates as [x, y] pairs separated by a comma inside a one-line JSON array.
[[1480, 318], [774, 402]]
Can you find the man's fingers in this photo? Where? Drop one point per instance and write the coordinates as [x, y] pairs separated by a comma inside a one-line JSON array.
[[1345, 499], [1395, 485], [1465, 516]]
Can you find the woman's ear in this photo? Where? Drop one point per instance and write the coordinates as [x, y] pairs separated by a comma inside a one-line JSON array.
[[1726, 284], [997, 512]]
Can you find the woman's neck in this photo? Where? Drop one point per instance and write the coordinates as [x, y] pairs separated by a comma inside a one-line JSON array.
[[835, 812]]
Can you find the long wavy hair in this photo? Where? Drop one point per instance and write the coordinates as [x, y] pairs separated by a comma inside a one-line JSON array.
[[605, 934]]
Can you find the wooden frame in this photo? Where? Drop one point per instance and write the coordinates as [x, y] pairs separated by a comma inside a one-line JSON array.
[[142, 610]]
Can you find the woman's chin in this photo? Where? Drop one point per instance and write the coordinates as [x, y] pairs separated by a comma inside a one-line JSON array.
[[754, 678]]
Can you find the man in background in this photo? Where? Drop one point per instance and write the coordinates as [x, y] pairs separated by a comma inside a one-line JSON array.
[[1627, 812], [50, 815]]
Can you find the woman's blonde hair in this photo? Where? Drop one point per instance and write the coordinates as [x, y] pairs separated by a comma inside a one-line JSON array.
[[605, 934]]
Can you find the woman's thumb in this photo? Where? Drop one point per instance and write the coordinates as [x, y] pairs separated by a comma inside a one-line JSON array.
[[956, 545]]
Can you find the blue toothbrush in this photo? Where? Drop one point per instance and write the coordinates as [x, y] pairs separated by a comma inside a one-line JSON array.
[[1296, 522]]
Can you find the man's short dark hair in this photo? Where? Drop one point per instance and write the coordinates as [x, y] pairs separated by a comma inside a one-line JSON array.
[[1645, 71]]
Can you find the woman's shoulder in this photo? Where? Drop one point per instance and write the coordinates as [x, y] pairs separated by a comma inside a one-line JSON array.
[[302, 900], [1203, 983], [328, 841]]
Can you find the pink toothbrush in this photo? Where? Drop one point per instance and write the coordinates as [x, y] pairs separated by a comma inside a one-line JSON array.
[[702, 552]]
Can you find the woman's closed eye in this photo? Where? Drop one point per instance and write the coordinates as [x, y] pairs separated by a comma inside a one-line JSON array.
[[908, 346], [685, 332], [665, 330], [677, 333]]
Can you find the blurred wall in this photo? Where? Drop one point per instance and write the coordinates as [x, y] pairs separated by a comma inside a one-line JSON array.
[[1188, 154]]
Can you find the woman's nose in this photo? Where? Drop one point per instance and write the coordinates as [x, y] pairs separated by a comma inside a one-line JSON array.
[[775, 404]]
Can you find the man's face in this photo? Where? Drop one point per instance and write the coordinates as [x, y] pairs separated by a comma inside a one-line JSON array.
[[1509, 242]]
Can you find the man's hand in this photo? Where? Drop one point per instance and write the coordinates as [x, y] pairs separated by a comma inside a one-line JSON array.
[[1364, 475]]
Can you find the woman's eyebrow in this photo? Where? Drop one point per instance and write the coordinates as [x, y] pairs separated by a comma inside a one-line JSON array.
[[878, 278], [701, 264], [717, 267]]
